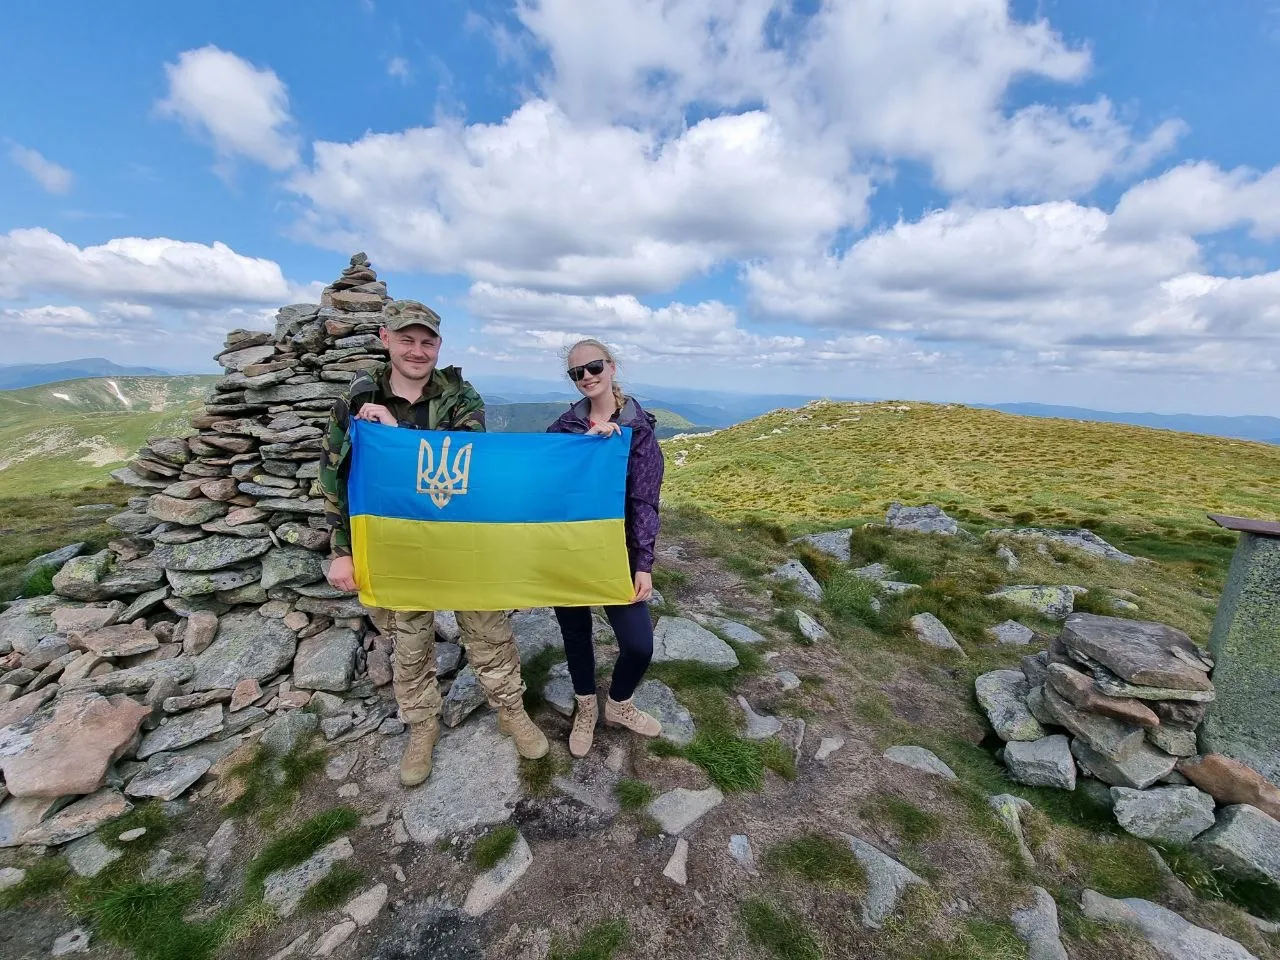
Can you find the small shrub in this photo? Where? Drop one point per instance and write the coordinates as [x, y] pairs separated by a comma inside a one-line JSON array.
[[493, 846], [779, 931], [632, 794], [600, 942]]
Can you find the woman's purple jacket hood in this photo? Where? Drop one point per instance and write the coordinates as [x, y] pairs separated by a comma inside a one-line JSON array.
[[644, 473]]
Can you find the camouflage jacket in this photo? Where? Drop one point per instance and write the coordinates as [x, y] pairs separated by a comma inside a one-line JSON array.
[[447, 403]]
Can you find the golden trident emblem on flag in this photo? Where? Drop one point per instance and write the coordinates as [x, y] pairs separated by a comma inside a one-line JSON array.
[[440, 481]]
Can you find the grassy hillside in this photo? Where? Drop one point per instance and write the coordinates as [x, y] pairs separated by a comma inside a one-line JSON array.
[[830, 462], [61, 436]]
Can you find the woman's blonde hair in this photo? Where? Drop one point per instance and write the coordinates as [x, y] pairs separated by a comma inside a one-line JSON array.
[[619, 397]]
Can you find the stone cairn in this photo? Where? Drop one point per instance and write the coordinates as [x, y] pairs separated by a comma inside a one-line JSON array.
[[209, 619], [1114, 707]]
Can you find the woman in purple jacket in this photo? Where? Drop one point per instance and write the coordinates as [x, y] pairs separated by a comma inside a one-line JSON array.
[[603, 410]]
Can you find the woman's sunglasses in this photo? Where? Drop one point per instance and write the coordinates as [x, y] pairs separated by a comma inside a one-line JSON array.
[[595, 368]]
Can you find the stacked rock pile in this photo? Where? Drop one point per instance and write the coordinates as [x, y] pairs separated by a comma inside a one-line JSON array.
[[209, 617], [1113, 706]]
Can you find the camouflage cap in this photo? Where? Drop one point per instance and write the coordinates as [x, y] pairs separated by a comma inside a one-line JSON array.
[[399, 314]]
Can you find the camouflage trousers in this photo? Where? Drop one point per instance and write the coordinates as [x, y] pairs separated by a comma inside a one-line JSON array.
[[491, 653]]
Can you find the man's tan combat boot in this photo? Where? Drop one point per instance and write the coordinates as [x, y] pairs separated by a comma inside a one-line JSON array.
[[625, 714], [415, 765], [515, 723], [584, 725]]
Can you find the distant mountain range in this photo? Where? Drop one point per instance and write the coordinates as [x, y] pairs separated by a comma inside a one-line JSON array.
[[1260, 429], [15, 376]]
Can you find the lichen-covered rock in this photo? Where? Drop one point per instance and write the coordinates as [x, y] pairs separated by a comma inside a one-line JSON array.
[[246, 645], [1056, 603], [1042, 763], [1169, 814], [1246, 841], [1003, 695]]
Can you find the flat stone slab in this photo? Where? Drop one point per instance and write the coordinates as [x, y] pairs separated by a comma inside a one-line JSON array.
[[1080, 689], [1055, 603], [246, 645], [658, 700], [1003, 695], [492, 885], [737, 632], [182, 731], [924, 519], [167, 776], [326, 661], [79, 819], [834, 543], [18, 815], [679, 809], [121, 640], [1139, 770], [1245, 841], [1229, 781], [284, 889], [758, 726], [1085, 540], [475, 782], [1139, 651], [918, 758], [1011, 633], [68, 749], [932, 631], [214, 552], [796, 575], [676, 638], [1114, 739], [1172, 936], [887, 880], [1042, 763], [1170, 814], [89, 856]]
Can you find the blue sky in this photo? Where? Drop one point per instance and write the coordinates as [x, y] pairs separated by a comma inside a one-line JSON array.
[[973, 200]]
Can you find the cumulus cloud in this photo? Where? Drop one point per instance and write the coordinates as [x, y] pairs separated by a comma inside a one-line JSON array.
[[243, 109], [1199, 198], [398, 67], [53, 177], [1051, 282], [541, 201], [153, 270]]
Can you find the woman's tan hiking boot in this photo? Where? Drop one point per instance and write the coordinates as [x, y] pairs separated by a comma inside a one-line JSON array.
[[584, 725], [415, 765], [530, 741], [626, 714]]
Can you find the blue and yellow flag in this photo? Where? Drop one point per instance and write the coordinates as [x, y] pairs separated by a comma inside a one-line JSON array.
[[445, 520]]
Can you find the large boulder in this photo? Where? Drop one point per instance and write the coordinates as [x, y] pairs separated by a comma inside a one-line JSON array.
[[247, 645], [67, 750], [1169, 814], [80, 576], [834, 543], [925, 519], [1055, 603], [1003, 695], [1229, 781], [1138, 769], [1141, 652], [1245, 841], [1046, 762], [1172, 937]]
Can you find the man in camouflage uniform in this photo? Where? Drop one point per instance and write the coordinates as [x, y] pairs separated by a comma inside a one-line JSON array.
[[412, 392]]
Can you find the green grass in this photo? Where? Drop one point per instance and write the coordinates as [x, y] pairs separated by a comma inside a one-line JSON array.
[[779, 931], [536, 775], [600, 942], [978, 939], [271, 783], [493, 846], [632, 794], [1258, 897], [43, 878], [822, 860], [911, 823], [39, 582], [333, 891], [149, 816], [735, 764], [294, 846]]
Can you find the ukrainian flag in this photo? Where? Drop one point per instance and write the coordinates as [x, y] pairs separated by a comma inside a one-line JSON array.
[[444, 520]]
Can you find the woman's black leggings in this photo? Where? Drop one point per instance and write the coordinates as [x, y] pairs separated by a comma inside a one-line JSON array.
[[634, 630]]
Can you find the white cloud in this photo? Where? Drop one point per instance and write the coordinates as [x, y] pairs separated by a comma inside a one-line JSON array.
[[244, 110], [893, 79], [540, 201], [53, 177], [1199, 198], [153, 270], [398, 67], [1050, 282]]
